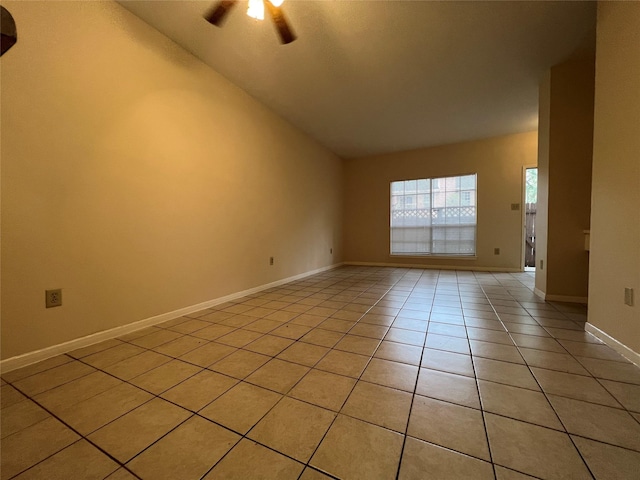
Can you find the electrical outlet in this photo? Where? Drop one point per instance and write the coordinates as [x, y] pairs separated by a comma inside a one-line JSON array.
[[515, 206], [270, 260], [53, 298], [628, 296], [496, 251]]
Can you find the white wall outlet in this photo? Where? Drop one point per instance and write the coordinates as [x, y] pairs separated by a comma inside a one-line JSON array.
[[53, 298], [628, 296]]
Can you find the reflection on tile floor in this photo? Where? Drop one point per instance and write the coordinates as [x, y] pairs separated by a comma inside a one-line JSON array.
[[357, 373]]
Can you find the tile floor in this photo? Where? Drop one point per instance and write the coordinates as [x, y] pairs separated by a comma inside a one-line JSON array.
[[357, 373]]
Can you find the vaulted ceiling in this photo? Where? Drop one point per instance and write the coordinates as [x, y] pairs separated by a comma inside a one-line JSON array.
[[371, 77]]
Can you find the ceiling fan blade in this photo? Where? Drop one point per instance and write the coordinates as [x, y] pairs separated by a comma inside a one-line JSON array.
[[285, 32], [218, 13]]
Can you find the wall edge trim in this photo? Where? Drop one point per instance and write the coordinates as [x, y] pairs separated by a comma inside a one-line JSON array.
[[29, 358], [539, 293], [621, 348], [435, 267]]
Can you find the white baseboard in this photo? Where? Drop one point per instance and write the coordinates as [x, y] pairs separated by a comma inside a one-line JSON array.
[[539, 293], [23, 360], [436, 267], [559, 298], [566, 298], [619, 347]]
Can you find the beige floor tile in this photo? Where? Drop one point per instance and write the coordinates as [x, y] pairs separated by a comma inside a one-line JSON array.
[[574, 335], [448, 387], [360, 345], [10, 396], [421, 457], [263, 325], [207, 354], [447, 329], [391, 374], [293, 428], [121, 474], [617, 371], [278, 375], [165, 376], [627, 394], [573, 386], [538, 343], [534, 450], [324, 389], [503, 473], [598, 422], [337, 325], [95, 348], [77, 390], [24, 372], [518, 403], [188, 452], [250, 460], [450, 344], [409, 337], [304, 354], [139, 333], [269, 345], [33, 444], [492, 336], [323, 338], [215, 316], [496, 351], [79, 460], [377, 319], [189, 326], [212, 332], [411, 324], [552, 361], [238, 338], [448, 425], [311, 474], [181, 345], [113, 355], [592, 350], [155, 339], [399, 352], [291, 331], [240, 364], [200, 390], [241, 407], [54, 377], [20, 416], [447, 362], [526, 329], [343, 363], [506, 373], [95, 412], [353, 449], [348, 315], [370, 331], [379, 405], [282, 316], [136, 365], [130, 434], [608, 462]]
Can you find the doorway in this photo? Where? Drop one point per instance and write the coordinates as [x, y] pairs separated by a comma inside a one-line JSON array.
[[530, 199]]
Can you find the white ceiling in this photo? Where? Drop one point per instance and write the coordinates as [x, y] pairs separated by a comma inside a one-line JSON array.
[[370, 77]]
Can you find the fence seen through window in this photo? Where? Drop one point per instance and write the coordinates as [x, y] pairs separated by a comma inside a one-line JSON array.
[[434, 216]]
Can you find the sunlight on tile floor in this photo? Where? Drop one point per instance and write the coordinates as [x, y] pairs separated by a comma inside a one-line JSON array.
[[356, 373]]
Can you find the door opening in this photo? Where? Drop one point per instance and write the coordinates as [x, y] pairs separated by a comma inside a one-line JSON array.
[[531, 198]]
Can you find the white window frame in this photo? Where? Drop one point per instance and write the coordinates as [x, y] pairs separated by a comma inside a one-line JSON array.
[[445, 227]]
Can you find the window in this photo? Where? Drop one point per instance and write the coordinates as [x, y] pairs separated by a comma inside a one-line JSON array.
[[434, 216]]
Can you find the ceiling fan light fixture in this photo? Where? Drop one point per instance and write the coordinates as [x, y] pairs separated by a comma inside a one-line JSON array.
[[256, 9], [276, 3]]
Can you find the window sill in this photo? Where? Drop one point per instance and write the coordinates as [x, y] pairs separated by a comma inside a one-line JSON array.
[[439, 257]]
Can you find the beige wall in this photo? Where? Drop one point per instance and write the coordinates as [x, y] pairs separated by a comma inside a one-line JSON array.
[[140, 181], [615, 209], [499, 164], [564, 166]]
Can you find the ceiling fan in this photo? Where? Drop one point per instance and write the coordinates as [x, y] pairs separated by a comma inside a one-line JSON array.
[[256, 10]]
